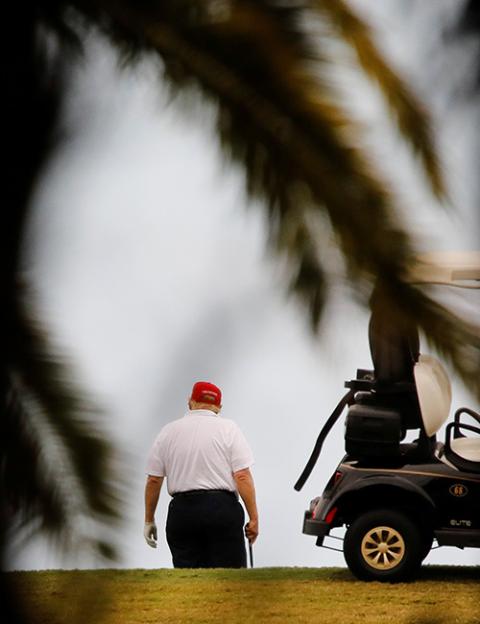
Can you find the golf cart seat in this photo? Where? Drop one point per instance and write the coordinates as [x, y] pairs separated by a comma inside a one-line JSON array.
[[467, 448], [434, 396]]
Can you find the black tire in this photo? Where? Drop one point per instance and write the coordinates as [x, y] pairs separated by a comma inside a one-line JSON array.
[[426, 547], [383, 545]]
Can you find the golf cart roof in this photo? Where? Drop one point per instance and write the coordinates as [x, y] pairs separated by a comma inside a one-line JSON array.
[[460, 269]]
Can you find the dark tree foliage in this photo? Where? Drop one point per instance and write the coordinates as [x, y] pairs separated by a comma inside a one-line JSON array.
[[469, 25]]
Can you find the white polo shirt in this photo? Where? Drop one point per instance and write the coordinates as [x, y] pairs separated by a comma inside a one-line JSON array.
[[199, 452]]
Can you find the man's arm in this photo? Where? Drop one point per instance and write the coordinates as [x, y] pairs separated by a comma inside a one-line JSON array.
[[246, 489], [152, 492]]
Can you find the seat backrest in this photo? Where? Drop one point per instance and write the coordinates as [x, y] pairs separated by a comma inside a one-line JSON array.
[[434, 393]]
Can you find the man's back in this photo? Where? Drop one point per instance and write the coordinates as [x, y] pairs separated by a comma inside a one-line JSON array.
[[199, 452]]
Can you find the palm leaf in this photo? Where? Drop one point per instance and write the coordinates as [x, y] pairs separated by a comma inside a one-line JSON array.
[[280, 119], [59, 474], [276, 120], [468, 26], [406, 109], [455, 339], [26, 483]]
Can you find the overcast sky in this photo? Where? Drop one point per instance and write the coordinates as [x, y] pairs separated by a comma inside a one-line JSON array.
[[153, 273]]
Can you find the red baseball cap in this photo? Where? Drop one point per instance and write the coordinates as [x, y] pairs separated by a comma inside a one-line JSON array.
[[205, 392]]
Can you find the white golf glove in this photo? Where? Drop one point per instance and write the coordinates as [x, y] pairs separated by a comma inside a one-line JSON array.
[[150, 534]]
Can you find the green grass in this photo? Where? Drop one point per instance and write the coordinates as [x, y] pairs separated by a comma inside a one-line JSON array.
[[327, 595]]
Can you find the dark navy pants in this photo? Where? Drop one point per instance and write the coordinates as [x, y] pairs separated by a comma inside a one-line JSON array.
[[205, 529]]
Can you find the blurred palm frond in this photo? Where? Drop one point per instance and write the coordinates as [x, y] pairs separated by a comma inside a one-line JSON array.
[[406, 109], [58, 467], [281, 120], [55, 471], [468, 26]]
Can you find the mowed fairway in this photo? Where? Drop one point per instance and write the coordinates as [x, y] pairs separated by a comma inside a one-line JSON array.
[[326, 595]]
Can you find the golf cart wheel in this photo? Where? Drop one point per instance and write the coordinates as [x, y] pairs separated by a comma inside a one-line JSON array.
[[383, 545], [427, 542]]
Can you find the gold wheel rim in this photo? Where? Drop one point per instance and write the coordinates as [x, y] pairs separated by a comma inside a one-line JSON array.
[[383, 548]]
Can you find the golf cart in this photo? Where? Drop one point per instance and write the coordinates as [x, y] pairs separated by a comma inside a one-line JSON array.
[[396, 497]]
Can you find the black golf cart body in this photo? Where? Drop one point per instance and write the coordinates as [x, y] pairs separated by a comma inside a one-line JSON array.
[[396, 497]]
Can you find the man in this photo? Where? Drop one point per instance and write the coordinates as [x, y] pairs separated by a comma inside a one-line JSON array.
[[206, 461]]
